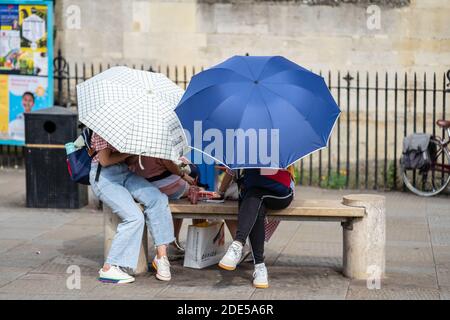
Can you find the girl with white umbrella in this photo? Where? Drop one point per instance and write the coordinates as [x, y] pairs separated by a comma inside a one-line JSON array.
[[131, 113]]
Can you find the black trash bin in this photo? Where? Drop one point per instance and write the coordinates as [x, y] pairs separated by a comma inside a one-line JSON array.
[[48, 182]]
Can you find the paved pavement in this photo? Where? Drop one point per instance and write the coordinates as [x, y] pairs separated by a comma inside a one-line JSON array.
[[304, 259]]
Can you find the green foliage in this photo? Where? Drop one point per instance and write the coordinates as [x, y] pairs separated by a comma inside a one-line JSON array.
[[336, 180], [296, 174], [391, 178]]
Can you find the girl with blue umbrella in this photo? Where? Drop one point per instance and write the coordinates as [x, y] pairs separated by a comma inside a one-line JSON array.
[[257, 116]]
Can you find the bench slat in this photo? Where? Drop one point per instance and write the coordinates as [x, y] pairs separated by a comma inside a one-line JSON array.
[[298, 208]]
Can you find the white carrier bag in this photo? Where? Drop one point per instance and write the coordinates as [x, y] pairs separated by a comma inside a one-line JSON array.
[[205, 244]]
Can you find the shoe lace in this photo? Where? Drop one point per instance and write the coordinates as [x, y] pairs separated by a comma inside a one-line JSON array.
[[260, 271], [235, 250], [120, 270]]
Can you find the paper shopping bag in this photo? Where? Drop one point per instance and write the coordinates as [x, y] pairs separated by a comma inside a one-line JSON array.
[[205, 245]]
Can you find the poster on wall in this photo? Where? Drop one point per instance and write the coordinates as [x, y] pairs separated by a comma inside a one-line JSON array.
[[26, 74]]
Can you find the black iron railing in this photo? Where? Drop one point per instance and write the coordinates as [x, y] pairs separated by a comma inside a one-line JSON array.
[[378, 110]]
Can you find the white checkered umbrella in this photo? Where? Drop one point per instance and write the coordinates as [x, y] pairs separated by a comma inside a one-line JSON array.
[[133, 111]]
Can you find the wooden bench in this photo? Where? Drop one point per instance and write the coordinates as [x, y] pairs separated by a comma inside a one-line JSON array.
[[362, 217]]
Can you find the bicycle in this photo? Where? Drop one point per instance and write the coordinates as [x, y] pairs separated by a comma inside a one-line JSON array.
[[436, 176]]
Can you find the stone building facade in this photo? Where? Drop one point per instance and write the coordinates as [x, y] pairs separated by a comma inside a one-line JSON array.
[[319, 34]]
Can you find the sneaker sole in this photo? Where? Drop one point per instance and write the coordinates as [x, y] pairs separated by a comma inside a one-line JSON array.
[[261, 286], [158, 276], [115, 281], [225, 267]]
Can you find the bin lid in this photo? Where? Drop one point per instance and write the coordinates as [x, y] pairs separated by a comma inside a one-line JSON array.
[[55, 110]]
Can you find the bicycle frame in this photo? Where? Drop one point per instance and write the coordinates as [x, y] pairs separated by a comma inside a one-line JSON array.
[[445, 168]]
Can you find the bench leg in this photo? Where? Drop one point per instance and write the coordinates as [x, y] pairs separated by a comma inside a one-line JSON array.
[[365, 238], [111, 221]]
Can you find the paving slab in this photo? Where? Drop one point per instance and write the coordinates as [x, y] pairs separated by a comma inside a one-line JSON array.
[[9, 274], [407, 233], [71, 232], [84, 245], [440, 237], [304, 258], [304, 283], [443, 274], [4, 215], [38, 283], [58, 297], [93, 219], [327, 252], [209, 283], [398, 207], [401, 275], [40, 218], [21, 233], [28, 255], [439, 221], [8, 244], [319, 254], [145, 287], [24, 296], [419, 256], [445, 293], [441, 254], [359, 291], [409, 244], [177, 292], [280, 239], [61, 264], [319, 232]]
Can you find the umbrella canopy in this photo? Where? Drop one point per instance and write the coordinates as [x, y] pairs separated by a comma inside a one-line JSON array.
[[287, 108], [134, 111]]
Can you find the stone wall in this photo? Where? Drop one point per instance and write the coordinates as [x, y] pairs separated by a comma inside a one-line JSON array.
[[318, 34], [414, 36]]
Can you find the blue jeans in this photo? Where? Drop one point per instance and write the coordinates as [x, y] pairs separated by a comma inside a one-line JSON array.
[[118, 188]]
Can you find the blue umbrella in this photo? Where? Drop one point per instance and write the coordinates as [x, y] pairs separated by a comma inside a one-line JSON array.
[[257, 112]]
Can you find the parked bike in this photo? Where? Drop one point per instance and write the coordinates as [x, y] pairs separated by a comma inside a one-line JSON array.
[[425, 162]]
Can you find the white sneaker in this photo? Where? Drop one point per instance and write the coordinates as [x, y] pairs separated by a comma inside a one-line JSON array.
[[115, 275], [231, 259], [260, 276], [162, 267]]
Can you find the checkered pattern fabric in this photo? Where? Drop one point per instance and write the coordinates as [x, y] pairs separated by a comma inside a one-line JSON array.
[[98, 144], [134, 111], [270, 225]]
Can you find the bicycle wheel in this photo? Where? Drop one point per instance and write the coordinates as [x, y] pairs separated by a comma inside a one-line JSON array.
[[434, 180]]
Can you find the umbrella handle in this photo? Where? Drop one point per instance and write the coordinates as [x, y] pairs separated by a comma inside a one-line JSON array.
[[140, 162]]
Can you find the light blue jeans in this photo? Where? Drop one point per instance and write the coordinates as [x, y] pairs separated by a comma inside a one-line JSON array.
[[118, 188]]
